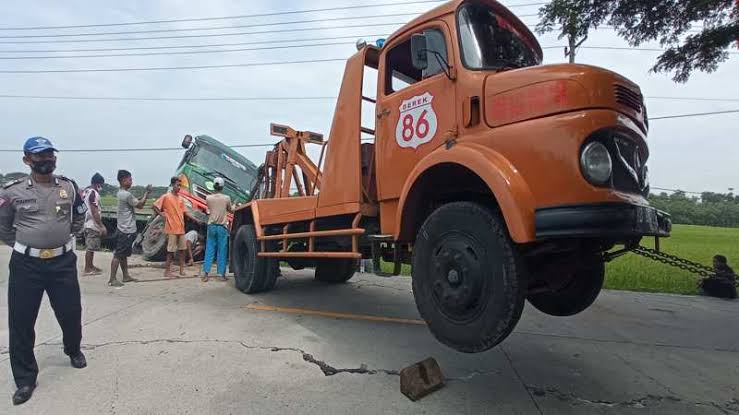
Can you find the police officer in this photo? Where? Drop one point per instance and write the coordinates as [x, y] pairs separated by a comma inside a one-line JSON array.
[[38, 215]]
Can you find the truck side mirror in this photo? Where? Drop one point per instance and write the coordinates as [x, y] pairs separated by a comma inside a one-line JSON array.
[[187, 141], [419, 52]]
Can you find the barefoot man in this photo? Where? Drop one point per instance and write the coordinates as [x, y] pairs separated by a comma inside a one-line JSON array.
[[126, 232], [95, 231], [172, 209]]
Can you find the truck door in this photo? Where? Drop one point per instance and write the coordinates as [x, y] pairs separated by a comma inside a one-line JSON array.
[[415, 108]]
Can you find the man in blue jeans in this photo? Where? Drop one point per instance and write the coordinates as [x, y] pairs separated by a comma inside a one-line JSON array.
[[216, 245]]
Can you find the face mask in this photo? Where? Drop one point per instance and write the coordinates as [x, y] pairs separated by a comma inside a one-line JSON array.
[[43, 167]]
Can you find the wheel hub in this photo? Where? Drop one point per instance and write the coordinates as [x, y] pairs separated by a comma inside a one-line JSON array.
[[458, 279], [453, 277]]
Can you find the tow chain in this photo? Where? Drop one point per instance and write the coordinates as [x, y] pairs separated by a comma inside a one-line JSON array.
[[674, 261]]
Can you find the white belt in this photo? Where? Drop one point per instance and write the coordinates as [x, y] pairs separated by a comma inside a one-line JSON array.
[[43, 253]]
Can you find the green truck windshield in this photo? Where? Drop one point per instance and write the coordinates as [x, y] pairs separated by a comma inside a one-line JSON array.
[[216, 163]]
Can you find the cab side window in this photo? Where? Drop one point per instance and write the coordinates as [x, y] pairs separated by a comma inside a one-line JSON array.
[[400, 72]]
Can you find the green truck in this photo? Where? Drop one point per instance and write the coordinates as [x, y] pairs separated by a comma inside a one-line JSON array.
[[205, 159]]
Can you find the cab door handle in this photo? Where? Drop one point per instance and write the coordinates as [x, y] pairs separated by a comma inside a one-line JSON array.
[[384, 113]]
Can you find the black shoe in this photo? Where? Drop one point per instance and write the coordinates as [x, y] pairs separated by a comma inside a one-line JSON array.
[[23, 394], [78, 360]]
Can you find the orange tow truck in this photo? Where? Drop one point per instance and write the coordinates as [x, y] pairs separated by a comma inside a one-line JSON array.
[[497, 178]]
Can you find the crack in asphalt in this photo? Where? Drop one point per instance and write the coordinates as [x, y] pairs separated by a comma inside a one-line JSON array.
[[326, 368], [645, 374], [84, 324], [329, 370], [520, 380], [728, 407]]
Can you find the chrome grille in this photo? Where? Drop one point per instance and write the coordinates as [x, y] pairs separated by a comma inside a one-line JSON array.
[[629, 170], [200, 192]]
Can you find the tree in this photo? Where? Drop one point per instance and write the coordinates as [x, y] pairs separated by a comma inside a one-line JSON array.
[[674, 24], [573, 19]]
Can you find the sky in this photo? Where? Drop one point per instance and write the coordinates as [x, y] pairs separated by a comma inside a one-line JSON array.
[[693, 154]]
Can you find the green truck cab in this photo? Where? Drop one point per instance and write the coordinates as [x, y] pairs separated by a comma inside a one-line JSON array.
[[205, 159]]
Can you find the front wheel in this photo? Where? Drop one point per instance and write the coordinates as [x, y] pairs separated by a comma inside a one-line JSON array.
[[467, 280], [577, 294], [252, 273], [154, 240]]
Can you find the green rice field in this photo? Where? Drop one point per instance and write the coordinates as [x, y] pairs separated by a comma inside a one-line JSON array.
[[696, 243]]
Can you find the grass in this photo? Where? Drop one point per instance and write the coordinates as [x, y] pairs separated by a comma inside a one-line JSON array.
[[110, 203], [696, 243], [634, 273]]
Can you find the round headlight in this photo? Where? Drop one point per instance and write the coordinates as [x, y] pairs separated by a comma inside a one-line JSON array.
[[596, 164]]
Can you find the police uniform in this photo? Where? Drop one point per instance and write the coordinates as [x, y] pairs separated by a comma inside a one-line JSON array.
[[38, 220]]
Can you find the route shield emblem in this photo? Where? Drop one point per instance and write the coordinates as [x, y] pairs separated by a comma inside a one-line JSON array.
[[417, 123]]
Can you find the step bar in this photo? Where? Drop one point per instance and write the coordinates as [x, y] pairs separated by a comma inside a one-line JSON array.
[[355, 231]]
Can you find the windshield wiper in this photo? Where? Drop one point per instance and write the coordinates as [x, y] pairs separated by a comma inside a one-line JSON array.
[[216, 173]]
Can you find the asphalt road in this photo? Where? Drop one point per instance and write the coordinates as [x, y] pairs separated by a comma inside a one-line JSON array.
[[184, 347]]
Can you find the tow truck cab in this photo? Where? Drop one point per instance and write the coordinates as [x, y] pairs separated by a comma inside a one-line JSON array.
[[566, 140]]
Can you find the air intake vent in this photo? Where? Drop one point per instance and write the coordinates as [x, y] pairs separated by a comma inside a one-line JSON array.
[[628, 97]]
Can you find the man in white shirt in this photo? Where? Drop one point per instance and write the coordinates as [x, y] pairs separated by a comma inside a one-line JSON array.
[[94, 229], [194, 241]]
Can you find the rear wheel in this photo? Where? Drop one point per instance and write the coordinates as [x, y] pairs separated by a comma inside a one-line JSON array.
[[252, 273], [154, 241], [336, 271], [467, 281], [577, 294]]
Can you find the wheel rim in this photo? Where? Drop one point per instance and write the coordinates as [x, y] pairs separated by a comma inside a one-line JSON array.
[[458, 284], [153, 236]]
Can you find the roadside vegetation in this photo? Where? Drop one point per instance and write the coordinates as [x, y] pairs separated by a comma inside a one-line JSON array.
[[696, 243], [110, 204], [710, 209]]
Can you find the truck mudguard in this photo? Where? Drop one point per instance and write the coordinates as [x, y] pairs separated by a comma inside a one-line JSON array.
[[508, 187]]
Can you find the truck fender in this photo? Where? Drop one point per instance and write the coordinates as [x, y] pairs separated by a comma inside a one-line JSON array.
[[243, 215], [510, 190]]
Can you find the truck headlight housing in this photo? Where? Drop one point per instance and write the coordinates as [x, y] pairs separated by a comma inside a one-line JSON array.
[[596, 163]]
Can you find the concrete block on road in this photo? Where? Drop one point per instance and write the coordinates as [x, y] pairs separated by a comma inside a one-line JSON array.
[[421, 379]]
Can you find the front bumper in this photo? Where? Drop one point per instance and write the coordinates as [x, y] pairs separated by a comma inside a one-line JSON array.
[[607, 220]]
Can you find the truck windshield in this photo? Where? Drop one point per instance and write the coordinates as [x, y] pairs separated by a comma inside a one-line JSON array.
[[220, 163], [488, 41]]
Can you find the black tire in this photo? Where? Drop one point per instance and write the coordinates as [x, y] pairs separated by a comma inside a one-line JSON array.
[[252, 273], [154, 241], [336, 271], [467, 279], [272, 275], [577, 295]]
